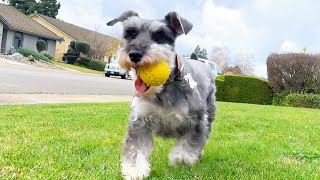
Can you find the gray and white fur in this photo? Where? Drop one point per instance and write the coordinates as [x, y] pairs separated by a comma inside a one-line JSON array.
[[182, 108]]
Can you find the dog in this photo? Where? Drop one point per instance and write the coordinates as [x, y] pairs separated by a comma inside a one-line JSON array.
[[181, 108]]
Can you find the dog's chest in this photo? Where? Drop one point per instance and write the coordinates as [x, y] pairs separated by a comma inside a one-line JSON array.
[[158, 115]]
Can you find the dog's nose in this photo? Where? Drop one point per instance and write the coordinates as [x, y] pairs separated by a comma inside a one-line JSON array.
[[135, 55]]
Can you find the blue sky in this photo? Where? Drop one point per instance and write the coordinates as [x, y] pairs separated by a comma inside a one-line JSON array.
[[255, 27]]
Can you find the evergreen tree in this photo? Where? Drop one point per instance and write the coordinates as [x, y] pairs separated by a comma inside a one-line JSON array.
[[46, 7], [203, 54], [25, 6], [197, 50]]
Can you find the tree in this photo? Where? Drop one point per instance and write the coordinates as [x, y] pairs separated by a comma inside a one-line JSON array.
[[25, 6], [204, 54], [244, 62], [220, 56], [294, 72], [101, 48], [197, 50], [46, 7]]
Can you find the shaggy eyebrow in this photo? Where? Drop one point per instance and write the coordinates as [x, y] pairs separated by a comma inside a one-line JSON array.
[[165, 29]]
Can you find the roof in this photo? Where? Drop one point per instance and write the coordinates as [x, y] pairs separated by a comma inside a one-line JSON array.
[[76, 32], [18, 21]]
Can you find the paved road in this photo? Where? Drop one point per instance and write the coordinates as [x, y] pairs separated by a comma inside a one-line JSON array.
[[21, 78]]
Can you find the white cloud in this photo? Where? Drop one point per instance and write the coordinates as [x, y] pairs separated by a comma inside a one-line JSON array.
[[83, 13], [289, 46], [257, 27]]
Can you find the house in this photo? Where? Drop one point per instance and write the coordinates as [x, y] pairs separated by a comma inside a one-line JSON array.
[[102, 43], [17, 30]]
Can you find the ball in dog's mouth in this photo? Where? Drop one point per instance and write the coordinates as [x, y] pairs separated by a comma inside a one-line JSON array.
[[153, 75]]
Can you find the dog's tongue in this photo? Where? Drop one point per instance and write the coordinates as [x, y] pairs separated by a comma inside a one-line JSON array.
[[140, 86]]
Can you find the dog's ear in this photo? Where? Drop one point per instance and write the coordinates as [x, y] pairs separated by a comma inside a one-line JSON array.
[[125, 15], [177, 23]]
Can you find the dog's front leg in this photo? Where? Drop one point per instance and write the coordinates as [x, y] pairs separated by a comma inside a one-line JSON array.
[[188, 148], [138, 145]]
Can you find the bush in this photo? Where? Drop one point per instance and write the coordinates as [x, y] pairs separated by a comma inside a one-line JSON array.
[[84, 61], [82, 47], [278, 99], [41, 45], [303, 100], [48, 56], [27, 52], [96, 64], [294, 72], [243, 89], [71, 59]]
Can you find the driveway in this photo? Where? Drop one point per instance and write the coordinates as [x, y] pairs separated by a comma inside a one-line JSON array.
[[17, 78]]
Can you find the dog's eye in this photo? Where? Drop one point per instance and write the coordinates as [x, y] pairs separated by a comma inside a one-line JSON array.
[[161, 38], [158, 36], [130, 34]]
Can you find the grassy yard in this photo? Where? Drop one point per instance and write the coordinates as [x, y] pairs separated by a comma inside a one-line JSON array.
[[78, 68], [83, 141]]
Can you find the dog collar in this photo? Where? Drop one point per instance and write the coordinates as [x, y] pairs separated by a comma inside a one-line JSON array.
[[176, 73]]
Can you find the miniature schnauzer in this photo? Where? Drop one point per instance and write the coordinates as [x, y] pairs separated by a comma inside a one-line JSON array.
[[183, 107]]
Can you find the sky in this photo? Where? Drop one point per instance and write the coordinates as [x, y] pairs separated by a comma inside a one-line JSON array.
[[254, 27]]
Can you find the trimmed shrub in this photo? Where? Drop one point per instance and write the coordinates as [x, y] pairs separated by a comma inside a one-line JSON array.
[[41, 45], [82, 47], [303, 100], [84, 61], [73, 44], [243, 89], [71, 56], [27, 52], [96, 64], [294, 72]]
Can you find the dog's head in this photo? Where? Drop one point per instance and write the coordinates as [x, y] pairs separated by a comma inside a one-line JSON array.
[[149, 41]]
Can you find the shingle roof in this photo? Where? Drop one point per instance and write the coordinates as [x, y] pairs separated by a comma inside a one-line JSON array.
[[18, 21], [76, 32]]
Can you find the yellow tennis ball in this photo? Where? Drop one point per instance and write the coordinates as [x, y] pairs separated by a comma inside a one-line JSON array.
[[156, 74]]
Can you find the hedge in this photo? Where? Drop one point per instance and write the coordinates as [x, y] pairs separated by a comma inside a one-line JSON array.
[[27, 52], [96, 64], [303, 100], [243, 89]]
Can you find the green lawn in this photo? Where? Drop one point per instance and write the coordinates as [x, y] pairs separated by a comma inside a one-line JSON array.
[[78, 68], [83, 141]]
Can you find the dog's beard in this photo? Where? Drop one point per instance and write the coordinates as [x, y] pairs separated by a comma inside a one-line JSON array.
[[156, 53]]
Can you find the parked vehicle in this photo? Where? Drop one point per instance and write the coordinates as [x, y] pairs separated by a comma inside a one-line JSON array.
[[113, 69], [213, 66]]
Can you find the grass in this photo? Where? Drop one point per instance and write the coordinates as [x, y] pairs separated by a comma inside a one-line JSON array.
[[83, 141], [79, 68]]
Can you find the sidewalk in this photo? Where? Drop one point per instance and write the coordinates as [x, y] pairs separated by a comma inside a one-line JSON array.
[[11, 99]]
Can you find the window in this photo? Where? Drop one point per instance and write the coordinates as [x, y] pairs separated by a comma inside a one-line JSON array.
[[17, 43]]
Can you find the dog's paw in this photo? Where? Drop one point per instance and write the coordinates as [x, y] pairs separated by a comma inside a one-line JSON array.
[[137, 171], [179, 156]]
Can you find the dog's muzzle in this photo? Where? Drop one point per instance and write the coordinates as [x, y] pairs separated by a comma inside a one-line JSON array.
[[135, 55]]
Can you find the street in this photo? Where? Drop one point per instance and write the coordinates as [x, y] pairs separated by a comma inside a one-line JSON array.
[[26, 79]]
